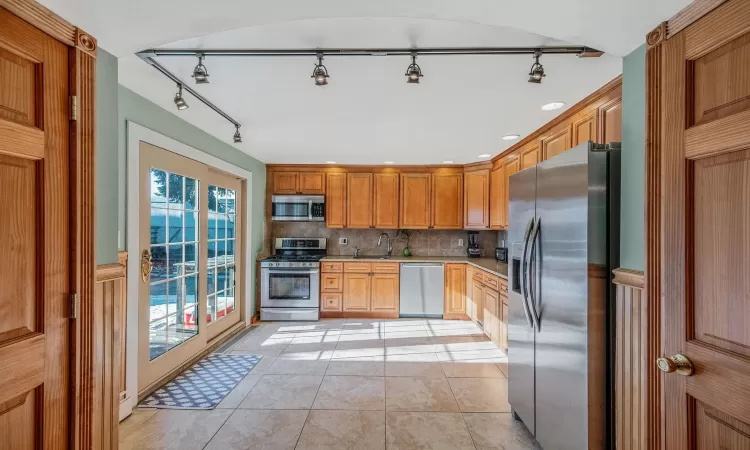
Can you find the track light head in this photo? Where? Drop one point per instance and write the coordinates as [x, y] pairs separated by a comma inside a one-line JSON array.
[[237, 136], [200, 73], [413, 72], [537, 70], [320, 73], [178, 100]]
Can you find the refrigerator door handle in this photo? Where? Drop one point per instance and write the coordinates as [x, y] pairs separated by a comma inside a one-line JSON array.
[[524, 270], [532, 290]]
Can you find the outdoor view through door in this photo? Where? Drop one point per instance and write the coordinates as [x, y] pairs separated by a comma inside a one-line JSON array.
[[190, 221]]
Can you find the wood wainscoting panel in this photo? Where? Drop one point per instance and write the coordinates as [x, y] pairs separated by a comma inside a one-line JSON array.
[[122, 258], [631, 361]]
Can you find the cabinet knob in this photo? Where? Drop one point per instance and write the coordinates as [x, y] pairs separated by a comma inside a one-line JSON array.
[[676, 363]]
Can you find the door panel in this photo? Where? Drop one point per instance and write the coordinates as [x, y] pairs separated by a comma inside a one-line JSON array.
[[584, 129], [529, 156], [35, 237], [497, 197], [610, 118], [357, 292], [477, 199], [386, 200], [512, 165], [285, 183], [455, 289], [556, 143], [415, 202], [336, 200], [385, 292], [359, 200], [312, 183], [447, 201]]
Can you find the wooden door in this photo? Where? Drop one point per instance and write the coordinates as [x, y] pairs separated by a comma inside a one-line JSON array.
[[477, 199], [359, 200], [490, 306], [455, 291], [610, 121], [415, 202], [447, 201], [336, 200], [497, 195], [512, 165], [477, 301], [529, 156], [704, 203], [385, 192], [357, 288], [555, 143], [286, 183], [584, 129], [312, 183], [384, 296], [35, 212]]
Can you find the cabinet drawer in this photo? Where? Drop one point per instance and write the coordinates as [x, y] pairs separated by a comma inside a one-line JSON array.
[[491, 281], [385, 267], [331, 302], [330, 282], [336, 267], [477, 275], [357, 267], [504, 289]]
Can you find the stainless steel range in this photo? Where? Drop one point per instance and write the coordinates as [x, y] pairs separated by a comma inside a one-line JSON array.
[[290, 280]]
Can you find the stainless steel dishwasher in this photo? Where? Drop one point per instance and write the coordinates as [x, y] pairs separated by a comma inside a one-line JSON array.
[[422, 292]]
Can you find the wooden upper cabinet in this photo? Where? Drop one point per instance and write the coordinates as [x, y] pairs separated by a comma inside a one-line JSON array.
[[285, 183], [384, 294], [312, 183], [557, 142], [455, 290], [584, 129], [497, 195], [447, 201], [385, 193], [336, 200], [414, 208], [610, 121], [357, 288], [530, 156], [477, 199], [512, 165], [359, 200]]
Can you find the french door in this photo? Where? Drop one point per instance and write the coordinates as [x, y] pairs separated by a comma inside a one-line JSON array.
[[190, 221]]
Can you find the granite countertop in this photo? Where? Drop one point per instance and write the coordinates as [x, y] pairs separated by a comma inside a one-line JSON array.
[[489, 264]]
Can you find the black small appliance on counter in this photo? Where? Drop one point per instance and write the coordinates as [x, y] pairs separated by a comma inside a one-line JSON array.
[[473, 248], [501, 254]]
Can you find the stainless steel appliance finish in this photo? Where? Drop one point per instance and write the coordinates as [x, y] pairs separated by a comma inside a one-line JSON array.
[[290, 280], [421, 290], [563, 216], [298, 208]]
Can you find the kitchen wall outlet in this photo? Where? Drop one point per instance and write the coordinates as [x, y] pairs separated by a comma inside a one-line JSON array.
[[460, 242], [342, 241]]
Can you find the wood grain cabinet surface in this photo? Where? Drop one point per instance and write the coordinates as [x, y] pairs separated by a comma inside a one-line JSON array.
[[312, 183], [357, 287], [285, 183], [477, 199], [386, 196], [415, 205], [447, 201], [359, 200], [384, 294], [302, 183], [529, 156], [336, 200], [554, 144], [455, 291], [497, 196]]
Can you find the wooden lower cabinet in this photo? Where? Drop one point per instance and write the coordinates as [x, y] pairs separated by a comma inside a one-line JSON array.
[[475, 304], [491, 313], [357, 288], [360, 289], [384, 293], [487, 303], [455, 291]]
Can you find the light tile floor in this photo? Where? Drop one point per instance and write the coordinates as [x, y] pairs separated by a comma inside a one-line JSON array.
[[352, 384]]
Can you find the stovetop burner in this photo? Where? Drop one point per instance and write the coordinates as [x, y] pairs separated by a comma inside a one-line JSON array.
[[294, 258]]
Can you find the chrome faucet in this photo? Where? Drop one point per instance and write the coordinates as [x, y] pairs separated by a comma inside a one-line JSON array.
[[356, 252], [390, 246]]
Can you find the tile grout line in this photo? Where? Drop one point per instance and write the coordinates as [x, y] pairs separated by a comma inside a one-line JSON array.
[[463, 419], [304, 424], [218, 429]]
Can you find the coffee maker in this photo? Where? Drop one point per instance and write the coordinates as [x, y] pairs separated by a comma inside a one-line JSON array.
[[473, 248]]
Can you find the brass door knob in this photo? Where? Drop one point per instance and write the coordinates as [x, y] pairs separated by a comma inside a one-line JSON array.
[[146, 265], [676, 363]]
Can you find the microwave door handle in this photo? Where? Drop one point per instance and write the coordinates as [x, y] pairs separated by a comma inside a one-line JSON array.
[[532, 291], [309, 210], [524, 293]]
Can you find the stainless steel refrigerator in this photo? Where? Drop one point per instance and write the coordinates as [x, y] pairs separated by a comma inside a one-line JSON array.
[[564, 243]]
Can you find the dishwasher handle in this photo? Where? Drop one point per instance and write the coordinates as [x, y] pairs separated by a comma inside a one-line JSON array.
[[422, 264]]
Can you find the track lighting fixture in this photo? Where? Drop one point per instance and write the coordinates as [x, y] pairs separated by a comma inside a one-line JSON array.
[[413, 72], [537, 71], [200, 73], [320, 73], [237, 135], [178, 100]]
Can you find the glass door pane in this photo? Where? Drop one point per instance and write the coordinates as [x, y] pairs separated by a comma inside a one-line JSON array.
[[222, 216]]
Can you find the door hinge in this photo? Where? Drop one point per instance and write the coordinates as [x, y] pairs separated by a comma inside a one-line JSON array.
[[73, 107], [73, 306]]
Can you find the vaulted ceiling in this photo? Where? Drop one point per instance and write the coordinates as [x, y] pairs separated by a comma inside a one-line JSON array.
[[368, 114]]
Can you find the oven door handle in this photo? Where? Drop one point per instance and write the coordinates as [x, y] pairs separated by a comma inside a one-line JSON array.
[[273, 271]]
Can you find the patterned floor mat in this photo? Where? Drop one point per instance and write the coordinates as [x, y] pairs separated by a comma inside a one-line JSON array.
[[203, 385]]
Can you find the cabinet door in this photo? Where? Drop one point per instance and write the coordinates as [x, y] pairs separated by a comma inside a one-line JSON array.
[[415, 205], [447, 201], [385, 191], [497, 194], [584, 129], [312, 183], [330, 302], [285, 183], [469, 301], [610, 121], [512, 165], [477, 199], [455, 290], [490, 314], [504, 326], [529, 156], [359, 200], [556, 143], [336, 200], [476, 304], [357, 291], [331, 282], [384, 295]]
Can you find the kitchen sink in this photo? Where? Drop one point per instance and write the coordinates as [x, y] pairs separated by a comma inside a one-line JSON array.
[[372, 257]]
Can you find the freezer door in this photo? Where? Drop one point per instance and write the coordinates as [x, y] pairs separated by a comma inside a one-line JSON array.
[[521, 213], [571, 204]]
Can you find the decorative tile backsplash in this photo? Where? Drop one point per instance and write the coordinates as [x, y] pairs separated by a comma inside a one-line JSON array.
[[421, 243]]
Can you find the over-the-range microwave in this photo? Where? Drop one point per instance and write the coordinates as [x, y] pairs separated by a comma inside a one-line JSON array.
[[300, 208]]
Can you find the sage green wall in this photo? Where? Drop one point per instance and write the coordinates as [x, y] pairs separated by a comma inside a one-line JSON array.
[[106, 158], [632, 235]]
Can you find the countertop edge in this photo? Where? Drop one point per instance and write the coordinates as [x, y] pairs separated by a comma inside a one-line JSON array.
[[456, 260]]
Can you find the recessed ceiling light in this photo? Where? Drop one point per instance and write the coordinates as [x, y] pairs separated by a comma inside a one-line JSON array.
[[552, 106], [484, 155], [387, 162], [330, 162], [447, 162], [511, 137]]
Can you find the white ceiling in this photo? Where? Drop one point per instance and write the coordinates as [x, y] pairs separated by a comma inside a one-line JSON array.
[[368, 114]]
